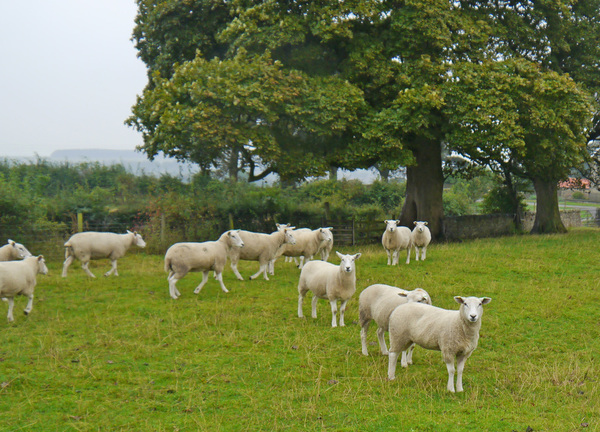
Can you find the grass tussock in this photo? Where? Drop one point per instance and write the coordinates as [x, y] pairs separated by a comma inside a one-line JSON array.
[[118, 354]]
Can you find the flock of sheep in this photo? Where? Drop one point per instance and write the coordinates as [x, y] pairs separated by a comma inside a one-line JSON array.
[[408, 316]]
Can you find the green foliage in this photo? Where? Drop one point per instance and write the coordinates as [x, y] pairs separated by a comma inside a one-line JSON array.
[[118, 354], [500, 200]]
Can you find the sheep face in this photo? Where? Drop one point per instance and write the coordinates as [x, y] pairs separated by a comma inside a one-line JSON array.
[[471, 308], [137, 239], [347, 265], [391, 225], [287, 231], [42, 265], [235, 238], [418, 295], [20, 250], [325, 234], [420, 226]]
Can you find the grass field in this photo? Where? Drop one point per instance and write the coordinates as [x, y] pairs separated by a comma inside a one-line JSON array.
[[118, 354]]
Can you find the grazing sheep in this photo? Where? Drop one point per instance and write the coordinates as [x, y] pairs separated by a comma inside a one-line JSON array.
[[328, 281], [453, 332], [262, 248], [395, 238], [86, 246], [19, 277], [182, 258], [13, 251], [376, 302], [420, 238]]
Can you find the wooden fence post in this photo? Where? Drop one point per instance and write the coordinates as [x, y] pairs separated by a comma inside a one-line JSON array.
[[79, 222], [163, 225]]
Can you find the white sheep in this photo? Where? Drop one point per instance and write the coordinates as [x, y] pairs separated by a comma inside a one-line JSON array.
[[376, 302], [420, 238], [13, 251], [262, 248], [394, 239], [86, 246], [308, 244], [328, 281], [453, 332], [19, 278], [327, 244], [182, 258]]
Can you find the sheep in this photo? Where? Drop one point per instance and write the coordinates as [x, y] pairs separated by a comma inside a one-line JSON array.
[[327, 244], [453, 332], [96, 245], [395, 238], [376, 302], [182, 258], [420, 238], [13, 251], [19, 277], [262, 248], [308, 244], [328, 281]]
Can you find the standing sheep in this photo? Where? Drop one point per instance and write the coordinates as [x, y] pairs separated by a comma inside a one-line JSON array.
[[308, 244], [327, 244], [86, 246], [395, 238], [182, 258], [330, 282], [377, 302], [19, 277], [262, 248], [420, 238], [453, 332], [13, 251]]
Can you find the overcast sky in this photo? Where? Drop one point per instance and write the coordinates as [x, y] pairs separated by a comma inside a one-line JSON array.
[[69, 75]]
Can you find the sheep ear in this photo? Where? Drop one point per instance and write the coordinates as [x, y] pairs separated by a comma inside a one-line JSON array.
[[397, 222], [291, 227], [415, 222], [385, 221], [459, 300], [357, 256], [129, 232], [339, 254], [11, 242], [40, 258], [426, 223], [403, 294], [485, 300], [329, 228]]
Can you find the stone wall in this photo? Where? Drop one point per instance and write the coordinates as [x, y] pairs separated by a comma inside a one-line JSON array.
[[480, 226]]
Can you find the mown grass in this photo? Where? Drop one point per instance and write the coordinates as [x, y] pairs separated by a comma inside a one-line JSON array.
[[119, 354]]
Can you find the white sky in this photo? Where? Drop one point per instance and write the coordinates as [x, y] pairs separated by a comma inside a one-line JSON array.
[[69, 75]]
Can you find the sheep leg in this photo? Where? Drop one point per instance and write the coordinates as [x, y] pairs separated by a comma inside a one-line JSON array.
[[342, 310], [300, 301], [29, 305], [220, 279], [66, 265], [204, 280], [363, 337], [417, 250], [84, 266], [173, 292], [235, 270], [460, 367], [449, 360], [301, 262], [423, 253], [11, 305], [395, 257], [392, 362], [381, 338], [409, 354], [272, 267], [333, 304], [263, 270], [314, 306], [389, 254], [113, 268], [408, 255]]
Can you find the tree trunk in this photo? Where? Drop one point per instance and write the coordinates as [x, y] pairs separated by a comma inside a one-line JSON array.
[[547, 216], [233, 165], [424, 188]]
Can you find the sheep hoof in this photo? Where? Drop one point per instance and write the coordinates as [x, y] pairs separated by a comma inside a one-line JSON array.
[[26, 313]]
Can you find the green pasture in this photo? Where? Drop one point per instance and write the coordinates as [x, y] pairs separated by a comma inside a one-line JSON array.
[[118, 353]]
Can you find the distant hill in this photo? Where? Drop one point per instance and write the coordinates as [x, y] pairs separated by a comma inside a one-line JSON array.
[[133, 161], [138, 163]]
